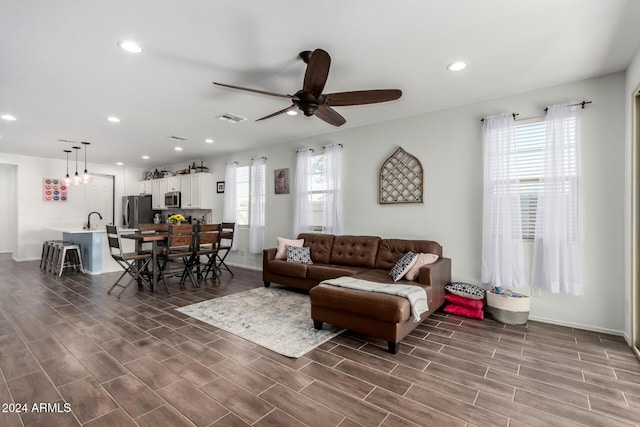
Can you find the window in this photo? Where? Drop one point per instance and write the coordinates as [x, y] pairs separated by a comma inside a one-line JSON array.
[[242, 196], [528, 165], [318, 192]]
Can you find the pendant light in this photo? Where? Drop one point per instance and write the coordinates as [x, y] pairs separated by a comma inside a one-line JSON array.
[[86, 178], [76, 177], [67, 180]]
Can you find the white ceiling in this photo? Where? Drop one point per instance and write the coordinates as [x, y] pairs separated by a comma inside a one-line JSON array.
[[62, 73]]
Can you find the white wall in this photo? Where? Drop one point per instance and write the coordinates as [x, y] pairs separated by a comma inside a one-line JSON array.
[[632, 84], [448, 143], [34, 214]]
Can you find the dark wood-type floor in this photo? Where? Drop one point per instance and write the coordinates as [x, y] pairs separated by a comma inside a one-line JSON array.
[[136, 361]]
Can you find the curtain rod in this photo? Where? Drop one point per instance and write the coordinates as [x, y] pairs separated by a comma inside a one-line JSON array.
[[305, 149], [331, 145], [256, 158], [583, 103], [513, 114], [230, 163]]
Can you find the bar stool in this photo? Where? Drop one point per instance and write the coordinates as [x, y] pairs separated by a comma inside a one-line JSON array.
[[67, 256], [48, 250]]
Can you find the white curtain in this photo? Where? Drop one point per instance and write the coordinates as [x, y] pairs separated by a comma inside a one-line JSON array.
[[257, 205], [502, 247], [557, 250], [302, 194], [230, 199], [333, 196]]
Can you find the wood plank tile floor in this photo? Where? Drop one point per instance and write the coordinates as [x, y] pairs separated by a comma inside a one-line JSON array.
[[99, 361]]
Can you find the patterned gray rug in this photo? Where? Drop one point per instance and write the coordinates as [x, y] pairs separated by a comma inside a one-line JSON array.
[[275, 318]]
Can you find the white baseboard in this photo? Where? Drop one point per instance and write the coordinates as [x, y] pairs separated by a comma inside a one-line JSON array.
[[578, 326], [248, 267]]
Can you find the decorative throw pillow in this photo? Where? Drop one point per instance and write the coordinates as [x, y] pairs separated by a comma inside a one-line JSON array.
[[463, 311], [476, 304], [466, 290], [281, 252], [422, 259], [400, 269], [299, 255]]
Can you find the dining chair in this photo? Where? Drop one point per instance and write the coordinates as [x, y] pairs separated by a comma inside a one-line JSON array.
[[151, 228], [178, 257], [208, 242], [134, 264], [227, 231]]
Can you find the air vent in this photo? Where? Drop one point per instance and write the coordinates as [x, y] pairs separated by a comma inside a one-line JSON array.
[[178, 138], [231, 118], [67, 140]]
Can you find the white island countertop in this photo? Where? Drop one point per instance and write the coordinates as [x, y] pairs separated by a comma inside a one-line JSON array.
[[75, 230], [84, 230]]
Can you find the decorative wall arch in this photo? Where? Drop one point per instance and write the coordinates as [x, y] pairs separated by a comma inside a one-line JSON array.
[[401, 179]]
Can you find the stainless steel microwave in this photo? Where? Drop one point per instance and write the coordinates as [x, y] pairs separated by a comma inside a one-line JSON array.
[[172, 199]]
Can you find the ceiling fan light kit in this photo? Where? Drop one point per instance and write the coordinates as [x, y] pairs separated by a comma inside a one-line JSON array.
[[310, 99]]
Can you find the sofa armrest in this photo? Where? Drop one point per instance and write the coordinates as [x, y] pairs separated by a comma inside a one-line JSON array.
[[437, 274], [267, 255]]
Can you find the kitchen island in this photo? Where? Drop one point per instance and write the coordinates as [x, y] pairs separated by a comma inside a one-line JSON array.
[[94, 247]]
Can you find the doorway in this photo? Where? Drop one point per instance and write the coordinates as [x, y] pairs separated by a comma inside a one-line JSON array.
[[635, 224], [99, 196]]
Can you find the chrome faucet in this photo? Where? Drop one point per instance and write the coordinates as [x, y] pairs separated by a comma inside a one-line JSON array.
[[89, 219]]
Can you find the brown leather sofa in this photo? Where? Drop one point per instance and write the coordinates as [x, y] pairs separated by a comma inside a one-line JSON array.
[[383, 316]]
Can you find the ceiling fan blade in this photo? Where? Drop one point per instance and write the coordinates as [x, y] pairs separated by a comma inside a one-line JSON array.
[[263, 92], [360, 97], [329, 115], [291, 107], [317, 72]]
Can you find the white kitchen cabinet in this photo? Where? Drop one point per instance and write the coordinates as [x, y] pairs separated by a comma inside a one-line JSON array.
[[145, 187], [173, 183], [159, 187], [197, 190]]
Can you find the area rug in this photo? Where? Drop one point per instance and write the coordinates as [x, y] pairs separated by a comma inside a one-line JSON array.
[[274, 318]]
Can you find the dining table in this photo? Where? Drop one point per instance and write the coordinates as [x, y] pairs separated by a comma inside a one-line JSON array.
[[152, 237]]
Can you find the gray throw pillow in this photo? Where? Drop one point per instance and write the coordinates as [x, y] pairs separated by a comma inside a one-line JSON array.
[[298, 255]]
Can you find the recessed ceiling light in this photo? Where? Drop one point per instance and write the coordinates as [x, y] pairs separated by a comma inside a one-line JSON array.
[[113, 119], [145, 157], [457, 66], [209, 141], [292, 113], [177, 148], [129, 46], [119, 163], [8, 117]]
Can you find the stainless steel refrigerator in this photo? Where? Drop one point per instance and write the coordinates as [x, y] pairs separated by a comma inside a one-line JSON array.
[[136, 210]]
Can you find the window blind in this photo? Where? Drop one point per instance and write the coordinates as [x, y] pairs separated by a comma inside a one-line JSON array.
[[242, 198]]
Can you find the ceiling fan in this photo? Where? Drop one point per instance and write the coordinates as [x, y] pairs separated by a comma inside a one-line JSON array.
[[310, 99]]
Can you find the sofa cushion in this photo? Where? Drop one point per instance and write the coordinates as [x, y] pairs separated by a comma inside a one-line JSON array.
[[322, 272], [320, 245], [373, 305], [466, 290], [355, 251], [288, 268], [403, 265], [476, 304], [391, 250], [281, 252], [458, 310], [298, 255]]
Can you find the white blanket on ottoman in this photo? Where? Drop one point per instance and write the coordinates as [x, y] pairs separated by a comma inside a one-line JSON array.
[[416, 295]]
